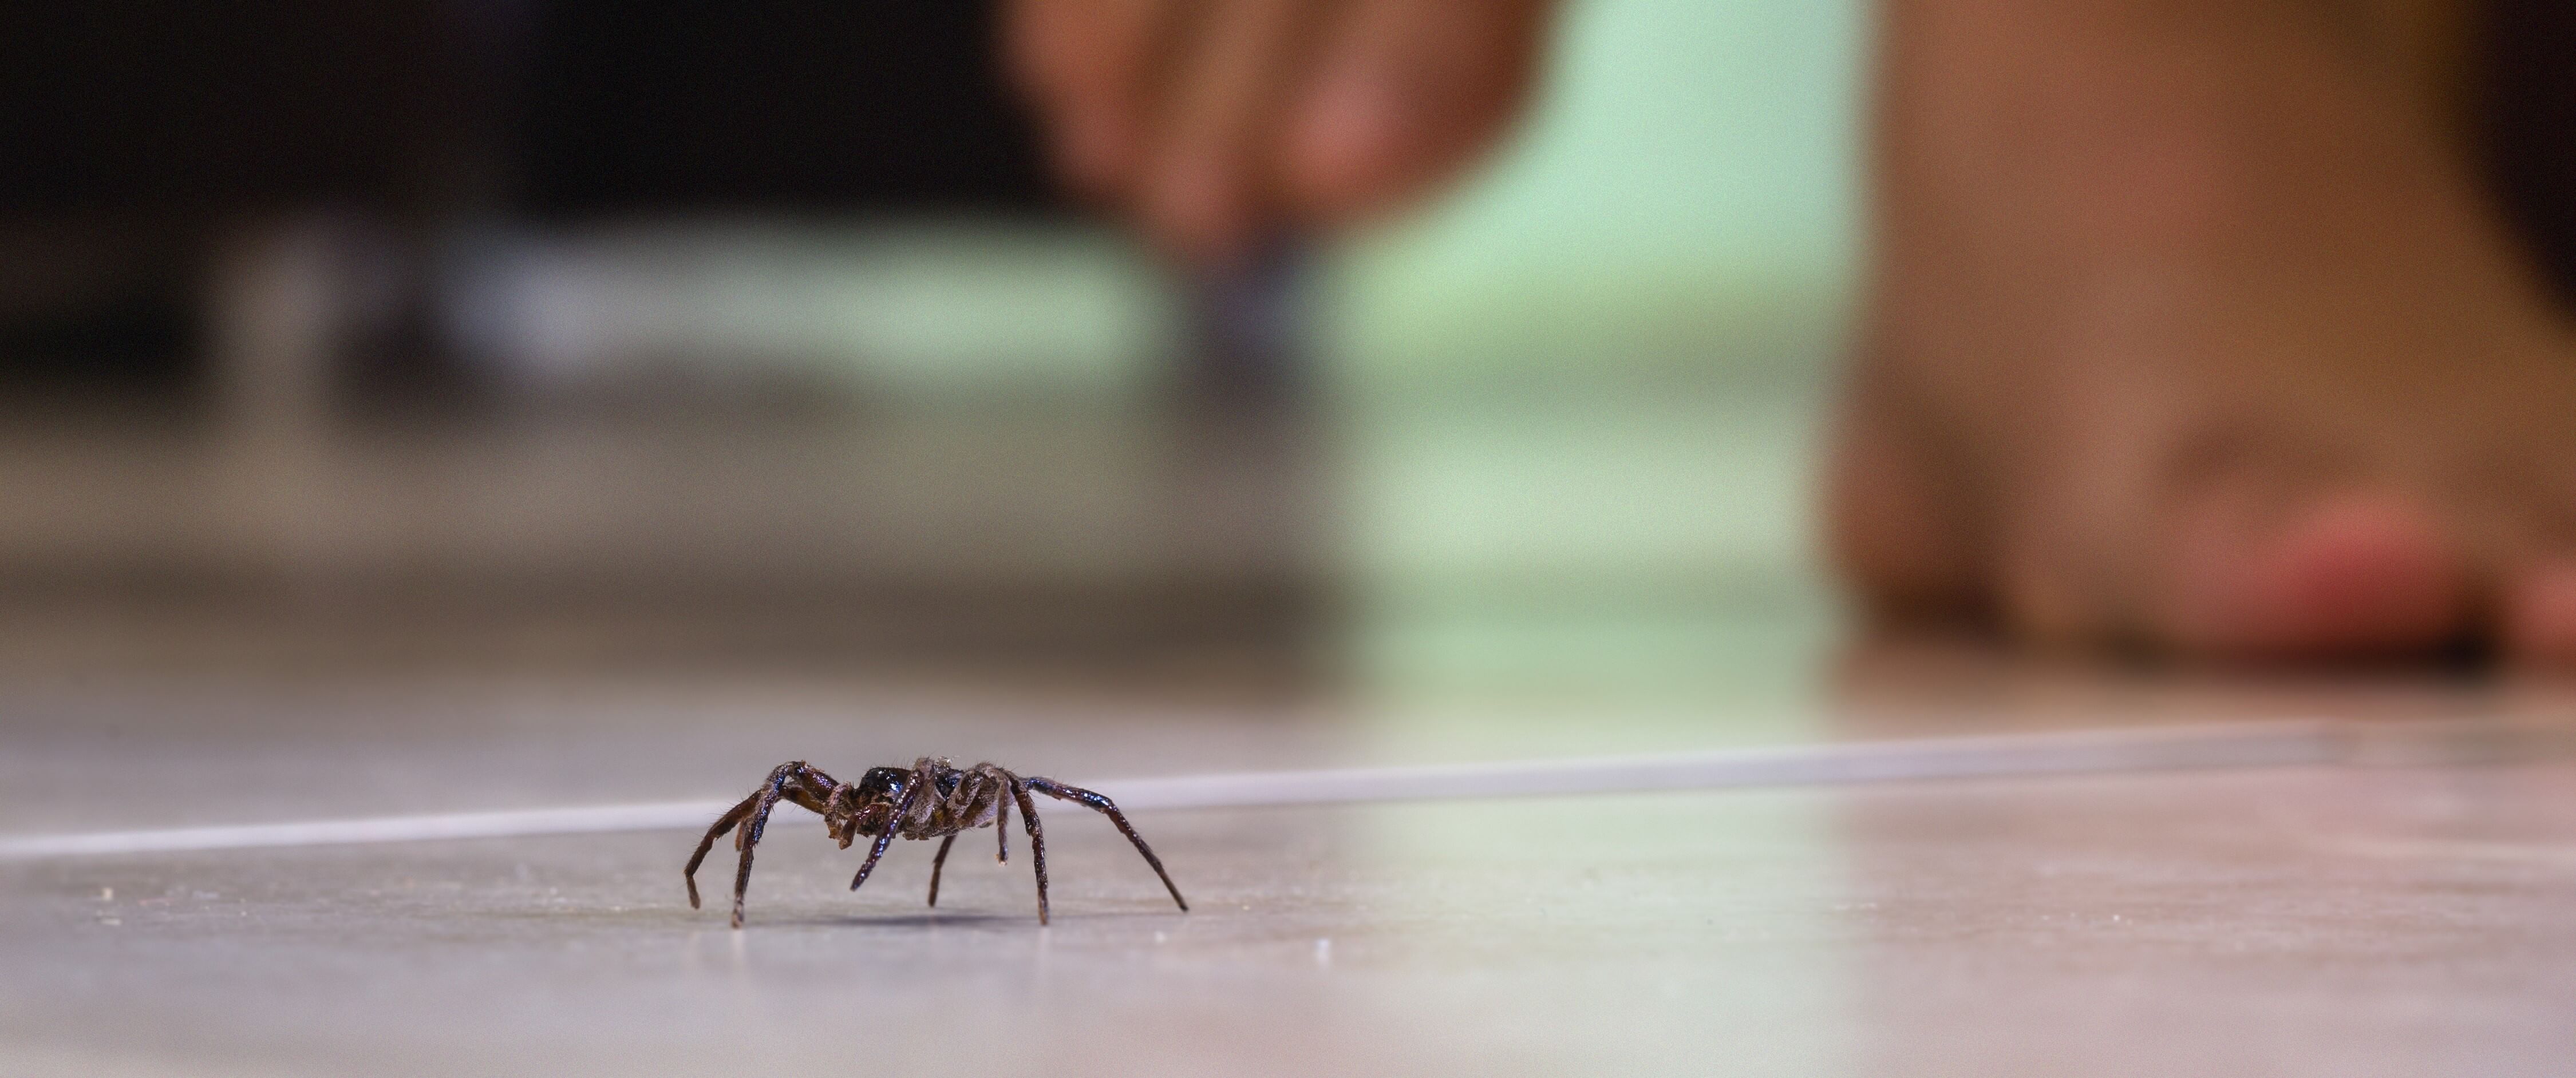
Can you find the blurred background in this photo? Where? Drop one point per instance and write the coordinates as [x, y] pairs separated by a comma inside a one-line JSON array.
[[465, 406], [545, 334]]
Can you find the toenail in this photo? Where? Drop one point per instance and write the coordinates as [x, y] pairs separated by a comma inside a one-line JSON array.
[[2351, 576]]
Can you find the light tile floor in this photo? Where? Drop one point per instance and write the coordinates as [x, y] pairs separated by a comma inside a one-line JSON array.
[[2413, 915]]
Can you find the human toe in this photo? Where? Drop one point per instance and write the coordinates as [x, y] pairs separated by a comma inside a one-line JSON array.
[[2540, 617], [2350, 576]]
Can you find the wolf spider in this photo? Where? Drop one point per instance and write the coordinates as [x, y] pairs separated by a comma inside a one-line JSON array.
[[932, 799]]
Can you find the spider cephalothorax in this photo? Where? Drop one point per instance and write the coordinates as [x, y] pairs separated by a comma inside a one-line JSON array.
[[931, 799], [863, 809]]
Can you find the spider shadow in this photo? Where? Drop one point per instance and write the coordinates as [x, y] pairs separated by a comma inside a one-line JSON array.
[[919, 921]]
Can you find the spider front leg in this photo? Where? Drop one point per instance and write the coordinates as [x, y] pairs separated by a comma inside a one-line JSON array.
[[893, 826], [744, 840], [792, 779], [1101, 804], [1037, 842], [938, 861], [724, 823]]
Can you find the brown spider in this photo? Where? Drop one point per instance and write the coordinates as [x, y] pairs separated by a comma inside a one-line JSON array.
[[934, 799]]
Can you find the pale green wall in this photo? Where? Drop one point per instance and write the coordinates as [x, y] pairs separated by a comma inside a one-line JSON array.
[[1579, 401], [1685, 193]]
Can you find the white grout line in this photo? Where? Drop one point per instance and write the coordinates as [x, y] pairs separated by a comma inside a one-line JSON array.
[[2272, 744], [2244, 745], [445, 825]]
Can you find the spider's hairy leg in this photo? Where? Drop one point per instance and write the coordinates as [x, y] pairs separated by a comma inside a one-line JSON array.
[[894, 826], [749, 836], [792, 780], [1037, 841], [724, 823], [840, 799], [875, 852], [998, 787], [938, 861], [1102, 804]]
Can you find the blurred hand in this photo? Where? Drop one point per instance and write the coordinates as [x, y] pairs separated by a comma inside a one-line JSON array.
[[1216, 124]]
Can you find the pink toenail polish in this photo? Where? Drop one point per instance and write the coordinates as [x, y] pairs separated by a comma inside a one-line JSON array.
[[2350, 577]]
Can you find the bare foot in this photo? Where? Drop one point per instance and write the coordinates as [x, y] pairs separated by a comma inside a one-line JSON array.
[[2189, 330]]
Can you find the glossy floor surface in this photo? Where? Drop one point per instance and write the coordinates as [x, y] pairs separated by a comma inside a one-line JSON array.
[[2394, 912]]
